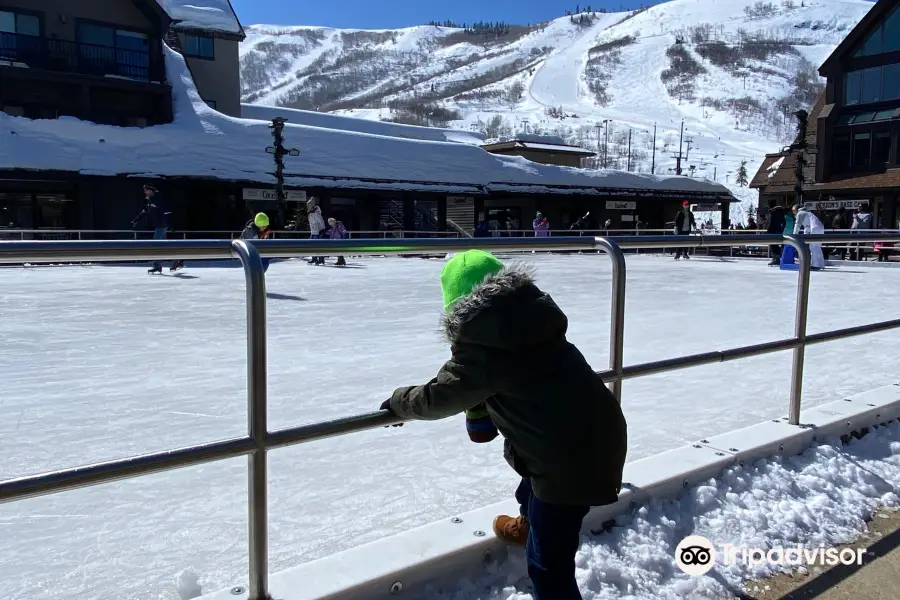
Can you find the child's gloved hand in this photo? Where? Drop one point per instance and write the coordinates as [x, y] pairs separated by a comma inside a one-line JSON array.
[[386, 405], [479, 425]]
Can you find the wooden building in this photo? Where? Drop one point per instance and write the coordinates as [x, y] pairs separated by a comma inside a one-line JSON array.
[[853, 130]]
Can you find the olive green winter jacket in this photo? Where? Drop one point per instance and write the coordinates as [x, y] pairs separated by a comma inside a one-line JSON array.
[[562, 427]]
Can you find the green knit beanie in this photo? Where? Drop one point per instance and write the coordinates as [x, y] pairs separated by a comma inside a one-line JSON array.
[[464, 271]]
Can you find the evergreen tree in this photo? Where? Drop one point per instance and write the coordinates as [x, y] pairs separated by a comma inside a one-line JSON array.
[[742, 174]]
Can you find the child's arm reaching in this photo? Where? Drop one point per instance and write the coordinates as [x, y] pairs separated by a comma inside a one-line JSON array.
[[460, 385]]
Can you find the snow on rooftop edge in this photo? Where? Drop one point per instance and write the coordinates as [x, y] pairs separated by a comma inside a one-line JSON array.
[[215, 15], [201, 142], [347, 123], [822, 497]]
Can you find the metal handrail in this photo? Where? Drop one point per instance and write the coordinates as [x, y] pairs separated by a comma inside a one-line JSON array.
[[259, 440]]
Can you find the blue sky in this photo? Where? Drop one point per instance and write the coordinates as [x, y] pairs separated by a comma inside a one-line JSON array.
[[389, 14]]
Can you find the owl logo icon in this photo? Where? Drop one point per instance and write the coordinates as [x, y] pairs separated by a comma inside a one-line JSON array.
[[695, 555]]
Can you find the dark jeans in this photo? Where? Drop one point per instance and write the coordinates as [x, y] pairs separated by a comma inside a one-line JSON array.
[[159, 233], [552, 542], [683, 251]]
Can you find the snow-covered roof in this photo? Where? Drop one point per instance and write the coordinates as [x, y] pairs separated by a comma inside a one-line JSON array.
[[344, 123], [211, 15], [555, 148], [201, 142]]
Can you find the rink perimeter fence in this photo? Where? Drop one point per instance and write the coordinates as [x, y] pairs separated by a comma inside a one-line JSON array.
[[259, 439]]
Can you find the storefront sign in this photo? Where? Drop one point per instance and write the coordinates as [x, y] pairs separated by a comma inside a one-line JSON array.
[[261, 194], [460, 200], [835, 204], [625, 205], [706, 207]]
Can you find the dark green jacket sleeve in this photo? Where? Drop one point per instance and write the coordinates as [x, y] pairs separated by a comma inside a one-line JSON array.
[[459, 385]]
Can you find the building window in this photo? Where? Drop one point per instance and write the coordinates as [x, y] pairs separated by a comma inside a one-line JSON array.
[[881, 148], [892, 31], [884, 39], [871, 85], [840, 161], [891, 81], [852, 86], [862, 150], [109, 51], [19, 23], [199, 46]]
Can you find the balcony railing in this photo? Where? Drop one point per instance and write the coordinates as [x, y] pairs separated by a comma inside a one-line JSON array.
[[51, 54]]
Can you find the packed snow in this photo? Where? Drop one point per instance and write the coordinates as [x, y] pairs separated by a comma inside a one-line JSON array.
[[212, 15], [280, 65], [105, 362], [204, 143], [821, 498]]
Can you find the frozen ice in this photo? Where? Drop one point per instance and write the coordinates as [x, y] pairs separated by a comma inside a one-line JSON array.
[[99, 363]]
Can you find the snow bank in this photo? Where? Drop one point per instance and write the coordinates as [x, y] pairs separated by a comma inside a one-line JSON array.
[[204, 143], [345, 123], [822, 497], [214, 15]]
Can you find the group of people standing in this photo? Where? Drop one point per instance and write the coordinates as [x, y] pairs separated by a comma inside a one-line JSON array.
[[318, 229]]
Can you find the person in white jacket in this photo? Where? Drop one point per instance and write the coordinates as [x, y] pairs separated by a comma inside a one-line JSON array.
[[316, 226], [808, 223]]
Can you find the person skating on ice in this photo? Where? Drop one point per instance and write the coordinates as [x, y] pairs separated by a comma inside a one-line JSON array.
[[513, 368], [809, 224], [316, 226], [337, 231], [684, 225], [155, 215]]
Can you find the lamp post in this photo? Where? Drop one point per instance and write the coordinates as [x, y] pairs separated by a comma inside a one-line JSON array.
[[279, 152]]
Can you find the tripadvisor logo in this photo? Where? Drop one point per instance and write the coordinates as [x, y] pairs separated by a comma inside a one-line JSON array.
[[695, 555]]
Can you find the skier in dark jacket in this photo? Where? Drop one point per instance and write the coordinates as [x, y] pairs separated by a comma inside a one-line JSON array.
[[155, 216], [775, 224], [512, 367]]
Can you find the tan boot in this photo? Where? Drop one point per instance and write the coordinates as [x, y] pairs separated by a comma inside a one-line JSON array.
[[512, 530]]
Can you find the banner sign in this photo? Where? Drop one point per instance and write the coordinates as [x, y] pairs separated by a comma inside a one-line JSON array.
[[624, 205], [261, 194]]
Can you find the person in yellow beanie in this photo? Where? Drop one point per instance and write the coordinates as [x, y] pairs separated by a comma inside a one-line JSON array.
[[257, 228], [512, 368]]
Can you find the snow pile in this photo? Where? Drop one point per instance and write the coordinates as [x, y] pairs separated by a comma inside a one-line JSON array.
[[202, 142], [188, 584], [359, 125], [821, 498], [213, 15]]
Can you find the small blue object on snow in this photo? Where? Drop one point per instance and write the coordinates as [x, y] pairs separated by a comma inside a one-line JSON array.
[[789, 259]]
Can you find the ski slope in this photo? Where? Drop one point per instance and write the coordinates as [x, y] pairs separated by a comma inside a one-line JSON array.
[[556, 52], [104, 362]]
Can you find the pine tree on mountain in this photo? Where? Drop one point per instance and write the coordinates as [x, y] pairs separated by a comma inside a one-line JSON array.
[[577, 9], [742, 174]]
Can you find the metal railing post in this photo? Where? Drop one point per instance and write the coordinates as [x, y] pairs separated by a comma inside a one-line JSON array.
[[802, 311], [256, 418], [617, 314]]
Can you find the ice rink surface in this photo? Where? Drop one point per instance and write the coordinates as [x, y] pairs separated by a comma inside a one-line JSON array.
[[98, 363]]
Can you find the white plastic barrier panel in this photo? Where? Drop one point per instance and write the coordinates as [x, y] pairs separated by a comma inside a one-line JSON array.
[[460, 547]]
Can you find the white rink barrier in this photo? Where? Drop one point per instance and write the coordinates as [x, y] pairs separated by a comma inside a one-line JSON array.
[[439, 554]]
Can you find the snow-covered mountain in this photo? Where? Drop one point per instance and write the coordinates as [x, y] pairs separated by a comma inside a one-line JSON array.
[[733, 70]]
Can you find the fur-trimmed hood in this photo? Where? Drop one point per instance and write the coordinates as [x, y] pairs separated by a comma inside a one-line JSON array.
[[505, 310]]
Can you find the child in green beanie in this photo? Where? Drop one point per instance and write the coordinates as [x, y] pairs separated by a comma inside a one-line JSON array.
[[512, 372]]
